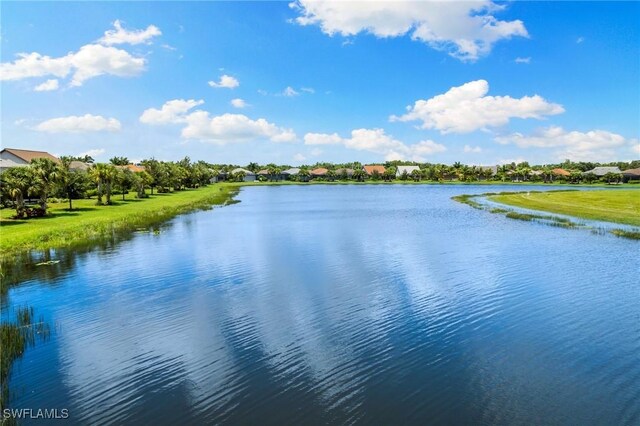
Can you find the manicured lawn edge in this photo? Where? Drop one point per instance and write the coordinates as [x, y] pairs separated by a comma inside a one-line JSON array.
[[55, 234]]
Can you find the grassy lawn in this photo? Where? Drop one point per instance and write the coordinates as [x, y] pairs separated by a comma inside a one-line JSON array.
[[88, 222], [620, 206]]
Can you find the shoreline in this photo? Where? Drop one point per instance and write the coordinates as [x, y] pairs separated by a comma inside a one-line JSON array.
[[102, 222], [96, 224]]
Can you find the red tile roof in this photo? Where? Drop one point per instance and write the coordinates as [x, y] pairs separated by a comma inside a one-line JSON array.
[[320, 171], [561, 172], [371, 169], [133, 168]]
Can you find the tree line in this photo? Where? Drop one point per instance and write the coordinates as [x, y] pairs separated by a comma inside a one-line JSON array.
[[44, 178]]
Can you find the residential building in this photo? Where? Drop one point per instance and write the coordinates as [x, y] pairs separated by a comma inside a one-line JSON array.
[[371, 169], [406, 169]]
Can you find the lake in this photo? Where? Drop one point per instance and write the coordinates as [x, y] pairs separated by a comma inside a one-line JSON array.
[[340, 304]]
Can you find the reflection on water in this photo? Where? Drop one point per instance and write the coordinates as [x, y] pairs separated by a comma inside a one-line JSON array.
[[341, 304]]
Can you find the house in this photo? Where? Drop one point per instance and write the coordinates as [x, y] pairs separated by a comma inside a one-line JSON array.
[[631, 174], [489, 169], [6, 164], [79, 166], [601, 171], [249, 176], [561, 172], [271, 176], [319, 172], [406, 169], [133, 167], [24, 156], [294, 171], [342, 171], [373, 169]]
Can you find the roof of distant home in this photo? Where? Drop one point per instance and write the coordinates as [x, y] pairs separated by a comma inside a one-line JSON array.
[[134, 168], [79, 165], [373, 168], [408, 169], [631, 172], [291, 171], [320, 171], [263, 172], [241, 170], [28, 155], [601, 171], [561, 172], [343, 170]]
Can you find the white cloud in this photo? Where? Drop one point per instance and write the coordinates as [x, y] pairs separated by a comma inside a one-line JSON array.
[[594, 145], [579, 40], [47, 86], [504, 161], [171, 112], [310, 90], [121, 36], [239, 103], [635, 147], [466, 108], [299, 157], [377, 141], [93, 152], [227, 128], [90, 61], [226, 81], [526, 60], [316, 152], [79, 124], [472, 149], [466, 30], [222, 129], [322, 139], [290, 92]]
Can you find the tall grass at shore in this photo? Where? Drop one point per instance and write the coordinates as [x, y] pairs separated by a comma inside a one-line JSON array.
[[88, 223]]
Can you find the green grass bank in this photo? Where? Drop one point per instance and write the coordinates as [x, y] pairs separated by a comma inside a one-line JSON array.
[[618, 206], [88, 222]]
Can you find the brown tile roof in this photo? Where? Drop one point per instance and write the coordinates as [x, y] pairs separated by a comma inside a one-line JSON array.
[[370, 169], [320, 171], [632, 172], [28, 155], [561, 172], [132, 167]]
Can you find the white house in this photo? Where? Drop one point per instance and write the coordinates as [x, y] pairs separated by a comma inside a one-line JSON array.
[[11, 157], [408, 169], [249, 176]]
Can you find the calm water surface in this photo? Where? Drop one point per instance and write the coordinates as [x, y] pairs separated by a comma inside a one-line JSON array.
[[341, 304]]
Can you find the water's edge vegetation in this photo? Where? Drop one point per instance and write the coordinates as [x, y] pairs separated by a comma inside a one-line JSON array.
[[78, 231], [547, 218]]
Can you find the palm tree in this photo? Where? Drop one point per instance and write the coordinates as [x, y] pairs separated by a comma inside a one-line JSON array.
[[45, 174], [110, 177], [17, 184], [98, 175], [70, 181]]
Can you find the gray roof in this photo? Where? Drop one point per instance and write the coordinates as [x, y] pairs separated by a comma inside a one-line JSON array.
[[494, 169], [241, 170], [78, 165], [291, 171], [409, 169], [601, 171]]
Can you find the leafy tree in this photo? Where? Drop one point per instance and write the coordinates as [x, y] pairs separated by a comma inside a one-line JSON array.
[[119, 161], [16, 182], [143, 180], [98, 174], [155, 170], [125, 180], [45, 174], [254, 167], [72, 183], [359, 174]]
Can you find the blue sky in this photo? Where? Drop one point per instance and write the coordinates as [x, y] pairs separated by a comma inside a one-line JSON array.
[[476, 82]]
